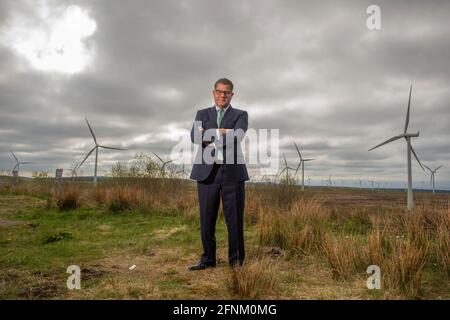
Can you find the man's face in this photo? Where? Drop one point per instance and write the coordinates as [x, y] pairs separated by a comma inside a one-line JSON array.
[[222, 95]]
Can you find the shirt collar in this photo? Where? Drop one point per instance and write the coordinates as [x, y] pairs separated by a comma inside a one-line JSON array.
[[224, 109]]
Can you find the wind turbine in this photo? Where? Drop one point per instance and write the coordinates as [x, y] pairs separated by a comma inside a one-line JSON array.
[[18, 163], [286, 168], [163, 166], [302, 164], [96, 151], [73, 170], [432, 175], [407, 136]]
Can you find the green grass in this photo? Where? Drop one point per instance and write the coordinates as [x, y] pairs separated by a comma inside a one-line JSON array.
[[93, 235], [84, 236]]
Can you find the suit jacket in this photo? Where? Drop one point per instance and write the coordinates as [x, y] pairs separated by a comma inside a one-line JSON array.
[[235, 169]]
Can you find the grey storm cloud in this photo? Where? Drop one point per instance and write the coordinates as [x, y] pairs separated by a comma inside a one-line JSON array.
[[311, 69]]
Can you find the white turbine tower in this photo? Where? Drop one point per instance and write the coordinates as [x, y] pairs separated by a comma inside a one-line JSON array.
[[18, 163], [96, 151], [407, 136], [302, 164], [432, 175]]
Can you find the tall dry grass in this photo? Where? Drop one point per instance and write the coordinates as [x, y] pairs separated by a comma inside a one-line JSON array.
[[300, 229], [67, 199], [404, 269], [346, 256], [252, 280], [407, 244], [124, 198]]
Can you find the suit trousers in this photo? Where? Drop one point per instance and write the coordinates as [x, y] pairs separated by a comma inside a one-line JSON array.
[[233, 200]]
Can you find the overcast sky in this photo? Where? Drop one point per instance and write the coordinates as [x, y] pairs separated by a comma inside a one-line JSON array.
[[139, 71]]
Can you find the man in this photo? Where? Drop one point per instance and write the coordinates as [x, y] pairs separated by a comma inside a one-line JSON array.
[[220, 172]]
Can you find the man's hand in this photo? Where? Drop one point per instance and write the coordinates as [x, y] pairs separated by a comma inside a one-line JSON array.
[[224, 131]]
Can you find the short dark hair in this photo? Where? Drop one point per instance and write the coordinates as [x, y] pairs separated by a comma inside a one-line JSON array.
[[224, 81]]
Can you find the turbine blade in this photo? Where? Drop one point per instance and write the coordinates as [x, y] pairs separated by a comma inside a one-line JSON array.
[[87, 156], [158, 157], [282, 171], [437, 168], [387, 141], [25, 162], [427, 167], [15, 167], [299, 164], [407, 113], [298, 151], [417, 158], [90, 129], [14, 156], [308, 159], [105, 147], [285, 162]]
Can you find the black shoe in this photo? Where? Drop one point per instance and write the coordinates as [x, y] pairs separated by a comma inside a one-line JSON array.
[[201, 266]]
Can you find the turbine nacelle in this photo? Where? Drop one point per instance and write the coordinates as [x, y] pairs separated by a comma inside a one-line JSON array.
[[411, 135]]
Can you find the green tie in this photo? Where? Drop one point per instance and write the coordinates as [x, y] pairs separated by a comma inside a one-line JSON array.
[[219, 117]]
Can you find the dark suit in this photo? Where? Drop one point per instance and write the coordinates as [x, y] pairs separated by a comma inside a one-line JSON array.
[[225, 180]]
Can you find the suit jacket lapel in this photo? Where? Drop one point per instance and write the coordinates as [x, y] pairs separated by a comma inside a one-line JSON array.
[[213, 116]]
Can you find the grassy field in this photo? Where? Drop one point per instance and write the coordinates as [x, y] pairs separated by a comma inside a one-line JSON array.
[[315, 244]]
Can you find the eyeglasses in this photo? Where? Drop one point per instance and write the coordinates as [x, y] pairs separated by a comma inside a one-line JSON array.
[[220, 92]]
